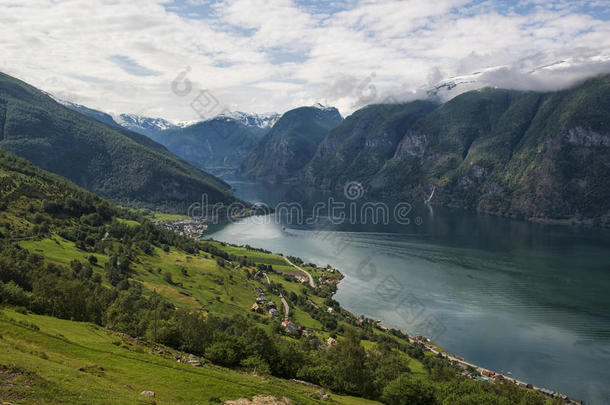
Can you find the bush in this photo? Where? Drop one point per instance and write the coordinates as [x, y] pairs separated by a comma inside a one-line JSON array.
[[224, 353], [407, 390], [256, 365]]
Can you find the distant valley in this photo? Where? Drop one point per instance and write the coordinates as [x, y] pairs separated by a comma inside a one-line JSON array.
[[530, 155]]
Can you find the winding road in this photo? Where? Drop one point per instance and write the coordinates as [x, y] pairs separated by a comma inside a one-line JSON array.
[[311, 282], [286, 307]]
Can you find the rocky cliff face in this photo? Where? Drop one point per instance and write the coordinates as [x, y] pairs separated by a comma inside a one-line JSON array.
[[361, 145], [539, 156]]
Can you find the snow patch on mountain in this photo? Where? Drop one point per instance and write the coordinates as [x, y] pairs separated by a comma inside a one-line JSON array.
[[540, 75], [252, 119], [137, 122]]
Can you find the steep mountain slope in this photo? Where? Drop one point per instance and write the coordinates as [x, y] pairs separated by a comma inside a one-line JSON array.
[[217, 145], [108, 120], [540, 156], [290, 144], [89, 112], [359, 147], [117, 164]]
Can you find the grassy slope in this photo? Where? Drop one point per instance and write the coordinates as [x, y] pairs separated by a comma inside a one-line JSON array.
[[90, 345], [219, 290], [56, 349]]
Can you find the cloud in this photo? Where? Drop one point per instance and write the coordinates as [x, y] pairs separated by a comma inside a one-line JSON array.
[[260, 56]]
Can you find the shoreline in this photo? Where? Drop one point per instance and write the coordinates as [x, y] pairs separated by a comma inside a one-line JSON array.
[[476, 371], [484, 374]]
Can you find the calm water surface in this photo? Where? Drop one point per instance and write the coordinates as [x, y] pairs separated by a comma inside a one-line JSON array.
[[528, 300]]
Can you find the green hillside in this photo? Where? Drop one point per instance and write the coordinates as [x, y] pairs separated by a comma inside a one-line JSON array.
[[48, 360], [133, 296], [536, 156], [115, 163]]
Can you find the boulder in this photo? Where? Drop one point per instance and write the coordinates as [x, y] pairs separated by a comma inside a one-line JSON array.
[[148, 394]]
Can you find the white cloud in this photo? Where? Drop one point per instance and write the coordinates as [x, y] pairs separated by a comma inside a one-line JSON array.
[[262, 56]]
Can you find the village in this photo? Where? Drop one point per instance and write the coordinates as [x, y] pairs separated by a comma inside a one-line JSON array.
[[193, 229]]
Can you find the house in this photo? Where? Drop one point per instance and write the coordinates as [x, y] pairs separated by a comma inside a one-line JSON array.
[[331, 341], [290, 328], [309, 334], [329, 310], [274, 312], [270, 305], [261, 299], [257, 308]]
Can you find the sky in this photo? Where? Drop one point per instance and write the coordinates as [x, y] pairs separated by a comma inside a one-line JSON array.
[[192, 59]]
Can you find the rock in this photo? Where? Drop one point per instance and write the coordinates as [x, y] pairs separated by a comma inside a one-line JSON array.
[[413, 144], [325, 397], [586, 137], [150, 394]]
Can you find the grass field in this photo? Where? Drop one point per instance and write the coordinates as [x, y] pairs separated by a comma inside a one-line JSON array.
[[80, 363], [60, 348]]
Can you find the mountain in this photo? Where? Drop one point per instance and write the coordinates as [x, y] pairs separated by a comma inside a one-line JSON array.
[[290, 144], [133, 122], [109, 120], [538, 156], [143, 125], [89, 112], [264, 121], [539, 72], [217, 145], [115, 163]]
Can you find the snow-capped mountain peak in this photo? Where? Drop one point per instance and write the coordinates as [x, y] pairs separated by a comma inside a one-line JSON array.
[[134, 121], [252, 119]]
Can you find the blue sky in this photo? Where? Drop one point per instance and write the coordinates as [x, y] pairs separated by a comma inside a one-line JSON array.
[[274, 55]]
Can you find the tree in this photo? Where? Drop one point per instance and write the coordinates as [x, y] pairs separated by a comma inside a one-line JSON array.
[[407, 390], [352, 374], [167, 276]]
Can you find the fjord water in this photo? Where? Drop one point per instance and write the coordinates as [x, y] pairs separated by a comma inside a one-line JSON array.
[[531, 301]]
